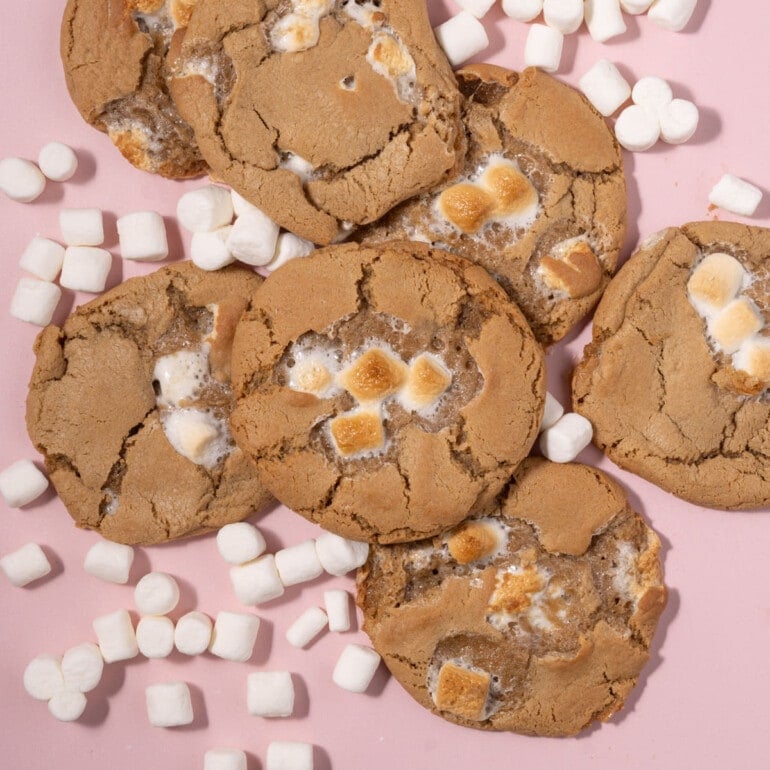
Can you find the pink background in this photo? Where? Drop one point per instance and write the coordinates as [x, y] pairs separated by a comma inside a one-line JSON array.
[[703, 699]]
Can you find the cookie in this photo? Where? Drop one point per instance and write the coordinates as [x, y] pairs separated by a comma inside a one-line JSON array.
[[535, 618], [539, 200], [114, 56], [323, 113], [129, 400], [384, 391], [677, 379]]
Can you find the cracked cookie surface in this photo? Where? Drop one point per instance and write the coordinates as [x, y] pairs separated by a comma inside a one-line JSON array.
[[535, 618], [130, 376], [322, 113], [401, 392], [667, 396], [555, 256]]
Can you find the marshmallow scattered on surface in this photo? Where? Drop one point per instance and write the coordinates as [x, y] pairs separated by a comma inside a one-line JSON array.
[[42, 258], [67, 705], [82, 227], [653, 92], [43, 677], [543, 47], [85, 268], [256, 581], [566, 438], [240, 542], [678, 121], [253, 238], [156, 594], [205, 209], [155, 636], [564, 15], [298, 563], [169, 704], [142, 236], [109, 561], [306, 627], [605, 87], [355, 668], [234, 636], [21, 180], [289, 755], [734, 194], [671, 14], [21, 483], [35, 301], [522, 10], [58, 161], [192, 635], [338, 555], [604, 19], [116, 637], [224, 759], [461, 37], [288, 247], [337, 604], [209, 250], [637, 128], [25, 565], [82, 667], [270, 694], [478, 8], [551, 413]]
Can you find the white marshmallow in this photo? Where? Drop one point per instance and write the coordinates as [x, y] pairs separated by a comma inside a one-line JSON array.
[[155, 636], [296, 163], [224, 759], [605, 87], [58, 161], [116, 637], [551, 413], [240, 542], [197, 434], [43, 258], [671, 14], [209, 250], [82, 227], [678, 121], [205, 209], [461, 37], [288, 247], [337, 603], [25, 565], [289, 755], [734, 194], [43, 677], [637, 128], [253, 237], [567, 438], [35, 301], [270, 694], [85, 268], [522, 10], [21, 180], [543, 47], [355, 668], [635, 7], [306, 627], [735, 324], [181, 375], [240, 204], [298, 563], [234, 636], [67, 705], [142, 236], [192, 635], [82, 667], [338, 555], [169, 704], [478, 8], [652, 92], [256, 581], [109, 561], [564, 15], [21, 483], [604, 19], [156, 594]]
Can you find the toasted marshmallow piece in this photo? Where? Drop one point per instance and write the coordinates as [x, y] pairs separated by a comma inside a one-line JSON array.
[[637, 128], [355, 668], [240, 542], [337, 605], [735, 324], [192, 635], [734, 194], [374, 375], [604, 19], [461, 37], [474, 540], [196, 435], [564, 15], [426, 381], [21, 483], [116, 637], [652, 92], [82, 667], [142, 236], [672, 14], [224, 759], [571, 267], [58, 161], [288, 247], [522, 10], [478, 8], [43, 677], [205, 209], [753, 357], [21, 180], [295, 32], [67, 705], [678, 121], [156, 594], [306, 627], [605, 87], [35, 301], [253, 238], [155, 636], [109, 561], [25, 565], [551, 413], [357, 432], [338, 555], [270, 694], [43, 258], [82, 227], [714, 282], [467, 206], [462, 691], [298, 563], [543, 47], [181, 375], [234, 636], [313, 373], [256, 581], [566, 438], [289, 755], [85, 268], [514, 195], [209, 250], [169, 704]]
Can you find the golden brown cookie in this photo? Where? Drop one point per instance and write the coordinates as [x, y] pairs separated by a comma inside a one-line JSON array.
[[540, 200], [129, 400], [677, 379], [114, 56], [385, 391], [536, 618], [323, 113]]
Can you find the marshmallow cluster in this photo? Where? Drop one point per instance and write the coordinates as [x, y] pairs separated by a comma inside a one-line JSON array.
[[563, 436], [24, 181]]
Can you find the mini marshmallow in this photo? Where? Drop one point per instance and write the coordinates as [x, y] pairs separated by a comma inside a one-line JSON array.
[[142, 236], [738, 321], [256, 581], [58, 161], [734, 194], [355, 668], [82, 227], [478, 8], [461, 37], [298, 563], [169, 704], [671, 14], [270, 694], [253, 238], [637, 128], [551, 413], [289, 755], [21, 180], [82, 667], [753, 357], [715, 281], [109, 561], [21, 483], [240, 204], [25, 565], [209, 250], [43, 677], [205, 209], [337, 603], [116, 637], [338, 555], [566, 438], [635, 7], [604, 19], [288, 247], [298, 165], [234, 636], [306, 627], [43, 258], [240, 542], [543, 47], [192, 635], [85, 268], [155, 636], [678, 121], [522, 10], [35, 301], [605, 87], [652, 92], [156, 594], [67, 705], [564, 15], [224, 759]]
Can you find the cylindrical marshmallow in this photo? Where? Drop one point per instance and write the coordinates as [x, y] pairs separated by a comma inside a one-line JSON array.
[[42, 258], [567, 438], [142, 236], [35, 301], [289, 755], [169, 704], [672, 14], [21, 483], [355, 668], [298, 563], [288, 247], [635, 7], [461, 37], [522, 10], [543, 47], [21, 180], [337, 604], [209, 250], [82, 227], [240, 204], [605, 87], [224, 759], [109, 561], [253, 237], [678, 121], [564, 15], [256, 581], [637, 128], [156, 594], [477, 8], [67, 705], [734, 194], [205, 209], [82, 667], [85, 268], [25, 565], [306, 627], [652, 91], [234, 636], [604, 19], [43, 677], [58, 161], [270, 694], [338, 555], [192, 635], [551, 413], [155, 636], [240, 542], [116, 637]]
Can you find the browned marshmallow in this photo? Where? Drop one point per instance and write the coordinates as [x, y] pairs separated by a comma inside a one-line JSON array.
[[514, 590], [295, 32], [310, 376], [357, 432], [754, 359], [473, 541], [426, 381], [466, 206], [577, 273], [373, 376], [388, 57], [512, 191], [714, 282], [461, 691], [733, 325]]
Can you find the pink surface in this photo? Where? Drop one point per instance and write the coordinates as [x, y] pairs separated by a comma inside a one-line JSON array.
[[703, 699]]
